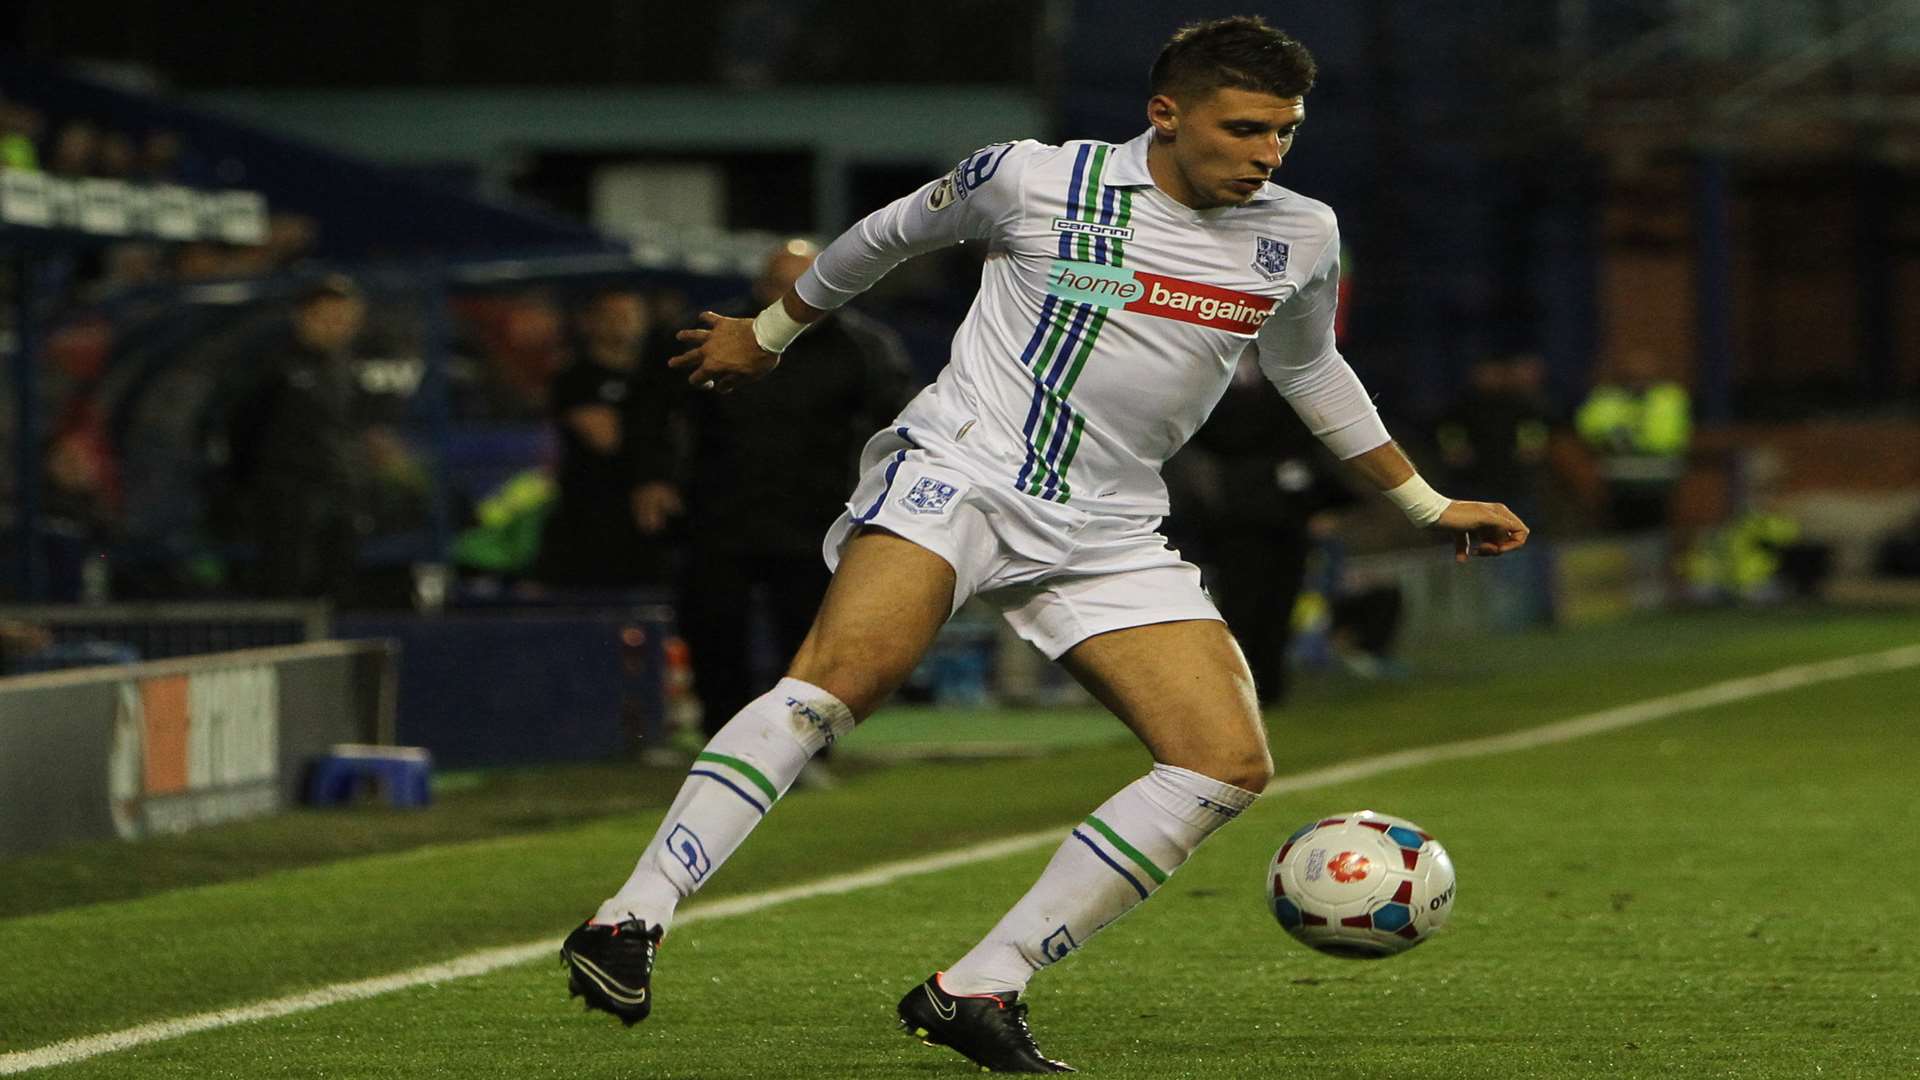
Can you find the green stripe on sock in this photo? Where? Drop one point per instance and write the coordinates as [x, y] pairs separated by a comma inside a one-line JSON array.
[[743, 769], [1158, 875]]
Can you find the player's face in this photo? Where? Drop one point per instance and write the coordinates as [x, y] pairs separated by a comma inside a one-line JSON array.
[[1226, 144]]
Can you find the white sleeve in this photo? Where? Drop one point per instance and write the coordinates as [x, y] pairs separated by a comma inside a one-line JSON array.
[[1298, 355], [978, 200]]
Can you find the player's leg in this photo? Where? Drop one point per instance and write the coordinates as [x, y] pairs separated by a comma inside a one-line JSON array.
[[1184, 689], [796, 587], [887, 600]]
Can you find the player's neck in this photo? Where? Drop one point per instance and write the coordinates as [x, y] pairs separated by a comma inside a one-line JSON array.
[[1168, 178]]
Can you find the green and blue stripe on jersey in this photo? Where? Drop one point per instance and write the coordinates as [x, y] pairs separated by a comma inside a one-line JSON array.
[[1068, 328]]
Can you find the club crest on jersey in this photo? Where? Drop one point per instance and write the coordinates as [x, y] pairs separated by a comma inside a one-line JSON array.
[[928, 496], [1269, 256]]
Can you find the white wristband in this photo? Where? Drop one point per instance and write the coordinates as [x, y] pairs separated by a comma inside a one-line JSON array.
[[774, 329], [1417, 499]]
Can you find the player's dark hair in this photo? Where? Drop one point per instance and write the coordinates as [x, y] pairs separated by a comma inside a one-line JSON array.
[[1241, 52]]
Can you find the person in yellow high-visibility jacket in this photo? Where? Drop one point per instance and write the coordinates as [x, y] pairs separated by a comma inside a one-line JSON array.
[[1640, 424]]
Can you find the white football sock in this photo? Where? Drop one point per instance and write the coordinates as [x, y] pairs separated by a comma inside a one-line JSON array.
[[1112, 861], [737, 778]]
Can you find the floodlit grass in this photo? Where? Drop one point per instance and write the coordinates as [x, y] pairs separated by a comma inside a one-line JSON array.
[[1716, 894]]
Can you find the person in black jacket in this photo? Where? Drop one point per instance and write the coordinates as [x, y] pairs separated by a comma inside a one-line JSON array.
[[297, 450], [760, 475], [606, 416], [1254, 523]]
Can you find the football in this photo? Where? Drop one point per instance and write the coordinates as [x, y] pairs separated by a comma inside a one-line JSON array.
[[1361, 885]]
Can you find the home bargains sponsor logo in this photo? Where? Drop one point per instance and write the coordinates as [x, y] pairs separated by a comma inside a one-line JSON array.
[[195, 749], [1155, 294]]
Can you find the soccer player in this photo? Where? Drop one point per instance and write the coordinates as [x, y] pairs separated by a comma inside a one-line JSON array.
[[1122, 283]]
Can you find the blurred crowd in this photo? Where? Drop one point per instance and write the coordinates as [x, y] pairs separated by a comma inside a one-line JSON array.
[[81, 147], [579, 464]]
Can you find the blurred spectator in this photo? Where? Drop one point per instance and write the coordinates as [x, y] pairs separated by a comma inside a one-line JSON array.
[[82, 472], [1493, 442], [289, 239], [592, 538], [1758, 555], [19, 137], [75, 150], [296, 449], [1342, 617], [160, 157], [511, 346], [1493, 438], [115, 157], [1639, 424], [1898, 553], [764, 473], [203, 259], [19, 640], [1271, 483]]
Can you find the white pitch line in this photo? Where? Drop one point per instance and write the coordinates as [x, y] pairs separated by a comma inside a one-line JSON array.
[[489, 960]]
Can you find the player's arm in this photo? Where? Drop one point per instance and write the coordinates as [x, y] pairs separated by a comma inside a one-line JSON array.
[[1298, 355], [979, 197], [1478, 528], [728, 352]]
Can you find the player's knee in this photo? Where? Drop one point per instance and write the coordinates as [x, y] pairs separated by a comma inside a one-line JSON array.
[[1250, 772], [1248, 767], [860, 683]]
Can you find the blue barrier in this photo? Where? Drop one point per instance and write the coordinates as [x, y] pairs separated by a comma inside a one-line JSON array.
[[525, 684]]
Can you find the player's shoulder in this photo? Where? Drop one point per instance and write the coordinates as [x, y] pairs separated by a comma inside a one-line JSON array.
[[989, 161], [1294, 223], [1300, 213], [993, 167], [1032, 158]]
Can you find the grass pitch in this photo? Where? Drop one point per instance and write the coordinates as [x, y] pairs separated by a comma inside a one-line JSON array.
[[1723, 893]]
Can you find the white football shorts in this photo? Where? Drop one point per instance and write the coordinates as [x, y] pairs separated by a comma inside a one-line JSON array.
[[1058, 575]]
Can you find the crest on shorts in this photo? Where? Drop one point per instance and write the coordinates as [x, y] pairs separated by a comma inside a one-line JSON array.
[[928, 496], [1269, 256]]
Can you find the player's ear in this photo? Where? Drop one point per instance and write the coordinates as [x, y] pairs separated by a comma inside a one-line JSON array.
[[1164, 114]]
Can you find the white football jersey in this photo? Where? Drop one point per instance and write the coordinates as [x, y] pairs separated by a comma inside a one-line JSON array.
[[1109, 317]]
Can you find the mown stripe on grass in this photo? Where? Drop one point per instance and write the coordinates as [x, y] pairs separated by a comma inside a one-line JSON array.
[[485, 961]]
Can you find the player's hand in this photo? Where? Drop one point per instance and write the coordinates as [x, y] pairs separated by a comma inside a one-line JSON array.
[[654, 504], [724, 355], [1483, 529]]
